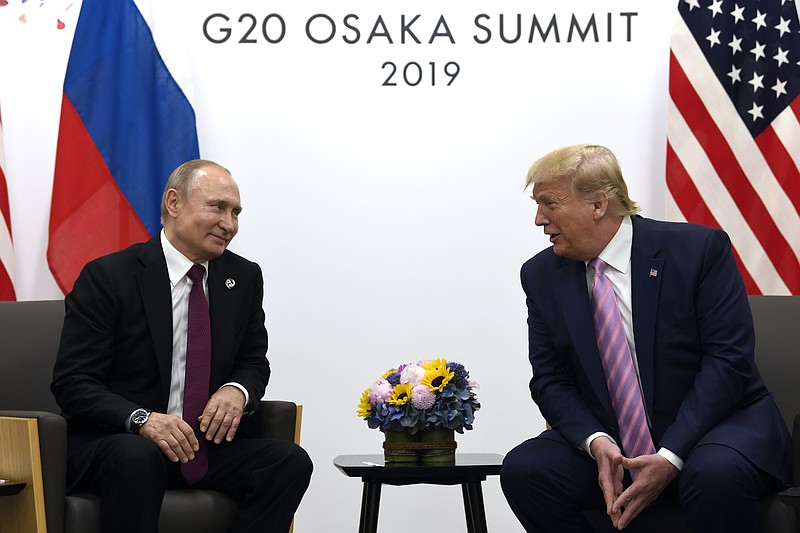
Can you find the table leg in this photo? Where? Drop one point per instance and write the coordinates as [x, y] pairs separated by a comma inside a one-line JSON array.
[[467, 509], [474, 506], [370, 502]]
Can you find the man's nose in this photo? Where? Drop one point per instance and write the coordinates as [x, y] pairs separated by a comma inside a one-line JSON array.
[[227, 221], [540, 219]]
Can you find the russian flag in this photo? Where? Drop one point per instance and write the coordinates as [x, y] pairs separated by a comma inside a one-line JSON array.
[[126, 124]]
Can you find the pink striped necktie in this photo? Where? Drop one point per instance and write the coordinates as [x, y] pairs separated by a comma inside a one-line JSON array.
[[198, 372], [615, 354]]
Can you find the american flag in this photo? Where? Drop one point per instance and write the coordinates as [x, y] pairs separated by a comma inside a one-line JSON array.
[[6, 246], [733, 141]]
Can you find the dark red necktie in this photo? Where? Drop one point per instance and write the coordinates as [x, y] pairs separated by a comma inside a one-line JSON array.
[[198, 371]]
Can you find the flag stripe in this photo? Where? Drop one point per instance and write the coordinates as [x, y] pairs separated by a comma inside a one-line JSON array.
[[745, 170], [686, 194], [7, 291], [85, 181]]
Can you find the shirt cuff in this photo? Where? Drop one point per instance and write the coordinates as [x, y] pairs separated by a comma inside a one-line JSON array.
[[676, 461], [246, 409], [587, 442]]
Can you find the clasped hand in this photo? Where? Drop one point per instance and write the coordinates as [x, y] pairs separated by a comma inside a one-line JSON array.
[[220, 420], [654, 473]]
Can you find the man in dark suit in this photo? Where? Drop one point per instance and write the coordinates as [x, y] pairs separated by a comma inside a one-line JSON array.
[[120, 372], [716, 438]]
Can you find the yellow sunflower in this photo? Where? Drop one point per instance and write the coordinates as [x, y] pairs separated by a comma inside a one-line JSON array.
[[364, 407], [401, 394], [388, 373], [436, 378], [434, 364]]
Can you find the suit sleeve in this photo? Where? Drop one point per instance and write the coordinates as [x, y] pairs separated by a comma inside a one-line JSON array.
[[554, 386], [722, 337], [251, 367], [85, 362]]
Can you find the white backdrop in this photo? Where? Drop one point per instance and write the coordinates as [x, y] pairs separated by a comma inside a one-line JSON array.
[[390, 221]]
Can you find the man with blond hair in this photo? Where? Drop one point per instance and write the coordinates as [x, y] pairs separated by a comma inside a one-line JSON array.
[[641, 343]]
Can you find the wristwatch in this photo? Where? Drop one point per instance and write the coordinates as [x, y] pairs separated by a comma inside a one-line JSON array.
[[138, 419]]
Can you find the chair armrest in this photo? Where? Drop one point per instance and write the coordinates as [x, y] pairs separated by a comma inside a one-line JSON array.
[[53, 453], [275, 419], [790, 497], [796, 449]]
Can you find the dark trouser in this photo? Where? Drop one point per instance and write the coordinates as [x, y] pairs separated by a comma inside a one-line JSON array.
[[266, 477], [548, 483]]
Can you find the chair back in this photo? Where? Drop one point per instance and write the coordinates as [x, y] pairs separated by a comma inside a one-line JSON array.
[[30, 333], [777, 324]]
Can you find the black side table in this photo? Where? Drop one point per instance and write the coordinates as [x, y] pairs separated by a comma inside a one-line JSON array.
[[469, 470]]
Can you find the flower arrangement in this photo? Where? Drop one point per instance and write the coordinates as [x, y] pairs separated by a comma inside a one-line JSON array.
[[429, 394]]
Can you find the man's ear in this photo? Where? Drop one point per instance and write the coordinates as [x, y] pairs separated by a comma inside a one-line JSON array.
[[173, 202], [600, 206]]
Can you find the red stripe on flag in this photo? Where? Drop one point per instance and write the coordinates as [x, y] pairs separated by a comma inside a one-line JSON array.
[[4, 206], [686, 195], [723, 160], [85, 204], [781, 163], [7, 292]]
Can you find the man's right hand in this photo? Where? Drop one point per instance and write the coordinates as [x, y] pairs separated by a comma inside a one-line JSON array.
[[173, 436], [609, 472]]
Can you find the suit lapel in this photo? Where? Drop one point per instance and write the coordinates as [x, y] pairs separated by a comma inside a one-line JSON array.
[[222, 292], [574, 295], [646, 275], [156, 295]]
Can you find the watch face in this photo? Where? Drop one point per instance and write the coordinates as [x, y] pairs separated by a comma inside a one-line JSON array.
[[139, 417]]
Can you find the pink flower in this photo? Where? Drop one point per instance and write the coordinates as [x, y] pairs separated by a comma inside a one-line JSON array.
[[380, 392], [422, 397], [412, 374]]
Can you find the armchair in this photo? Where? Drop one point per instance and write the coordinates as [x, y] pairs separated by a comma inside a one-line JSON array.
[[33, 442], [778, 358]]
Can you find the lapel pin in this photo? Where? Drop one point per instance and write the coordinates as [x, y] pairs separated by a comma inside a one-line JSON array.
[[230, 282], [653, 273]]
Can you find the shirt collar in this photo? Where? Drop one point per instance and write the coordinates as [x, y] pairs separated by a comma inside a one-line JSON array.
[[177, 263], [617, 252]]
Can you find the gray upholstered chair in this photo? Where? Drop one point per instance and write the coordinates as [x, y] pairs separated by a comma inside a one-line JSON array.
[[777, 324], [29, 337]]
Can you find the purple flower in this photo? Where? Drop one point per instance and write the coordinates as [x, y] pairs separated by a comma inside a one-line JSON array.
[[380, 392], [422, 397]]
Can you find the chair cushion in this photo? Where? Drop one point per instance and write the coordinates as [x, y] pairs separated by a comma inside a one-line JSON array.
[[183, 511]]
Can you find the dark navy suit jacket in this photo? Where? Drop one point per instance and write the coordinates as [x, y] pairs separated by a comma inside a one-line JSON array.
[[116, 345], [694, 344]]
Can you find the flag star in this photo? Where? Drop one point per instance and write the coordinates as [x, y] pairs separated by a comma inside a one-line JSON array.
[[755, 111], [783, 27], [758, 51], [734, 75], [715, 8], [756, 82], [781, 57], [713, 38], [736, 45], [737, 14], [692, 4], [779, 88], [760, 20]]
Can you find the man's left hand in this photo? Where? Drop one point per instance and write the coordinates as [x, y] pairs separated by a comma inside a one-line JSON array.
[[654, 473], [223, 414]]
